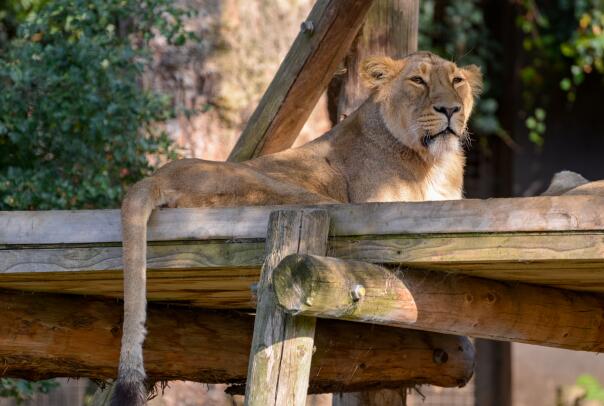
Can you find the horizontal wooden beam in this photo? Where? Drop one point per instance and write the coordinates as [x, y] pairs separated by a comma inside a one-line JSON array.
[[303, 76], [358, 291], [43, 336], [220, 273], [531, 214], [215, 254]]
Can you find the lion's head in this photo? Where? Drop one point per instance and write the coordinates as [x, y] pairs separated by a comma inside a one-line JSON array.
[[425, 100]]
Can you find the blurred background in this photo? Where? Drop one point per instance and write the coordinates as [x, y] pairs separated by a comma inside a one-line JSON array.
[[96, 94]]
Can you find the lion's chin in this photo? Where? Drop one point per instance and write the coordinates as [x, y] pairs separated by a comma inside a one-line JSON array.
[[438, 147], [430, 139]]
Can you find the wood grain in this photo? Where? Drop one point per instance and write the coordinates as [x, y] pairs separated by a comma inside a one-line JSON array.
[[218, 274], [301, 79], [45, 335], [282, 345], [433, 301], [531, 214]]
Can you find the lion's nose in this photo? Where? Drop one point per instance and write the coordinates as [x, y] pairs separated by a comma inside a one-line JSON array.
[[447, 111]]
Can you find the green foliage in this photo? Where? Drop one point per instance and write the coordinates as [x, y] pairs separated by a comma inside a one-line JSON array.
[[22, 390], [593, 389], [564, 42], [457, 30], [75, 124]]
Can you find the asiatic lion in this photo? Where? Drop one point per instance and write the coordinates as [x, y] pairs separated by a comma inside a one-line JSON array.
[[403, 144]]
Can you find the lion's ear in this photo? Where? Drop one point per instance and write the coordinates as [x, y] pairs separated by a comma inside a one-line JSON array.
[[473, 75], [378, 70]]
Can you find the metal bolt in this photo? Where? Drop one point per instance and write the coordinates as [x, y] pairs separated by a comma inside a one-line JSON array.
[[307, 27], [357, 292]]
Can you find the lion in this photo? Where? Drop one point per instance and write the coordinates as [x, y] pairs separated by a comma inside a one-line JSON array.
[[404, 143]]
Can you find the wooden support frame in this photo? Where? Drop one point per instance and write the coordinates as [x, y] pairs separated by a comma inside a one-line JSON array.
[[210, 257], [282, 346], [358, 291]]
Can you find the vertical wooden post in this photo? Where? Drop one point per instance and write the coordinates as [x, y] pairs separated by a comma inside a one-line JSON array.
[[391, 29], [282, 345], [493, 377]]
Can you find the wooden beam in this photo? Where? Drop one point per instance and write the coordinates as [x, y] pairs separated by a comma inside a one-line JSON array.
[[303, 75], [41, 336], [557, 241], [357, 291], [219, 273], [531, 214], [282, 345]]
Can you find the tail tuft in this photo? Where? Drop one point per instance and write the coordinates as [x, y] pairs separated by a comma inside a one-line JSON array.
[[129, 392]]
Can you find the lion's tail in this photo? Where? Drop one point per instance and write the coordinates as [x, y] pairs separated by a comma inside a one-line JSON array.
[[130, 388]]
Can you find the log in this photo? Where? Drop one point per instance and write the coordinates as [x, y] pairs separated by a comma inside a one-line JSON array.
[[357, 291], [304, 74], [282, 345], [46, 335]]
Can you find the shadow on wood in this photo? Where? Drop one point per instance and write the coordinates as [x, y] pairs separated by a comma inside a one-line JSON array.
[[435, 301]]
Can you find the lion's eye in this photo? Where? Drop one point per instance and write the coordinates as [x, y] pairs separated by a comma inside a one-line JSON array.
[[418, 80], [457, 80]]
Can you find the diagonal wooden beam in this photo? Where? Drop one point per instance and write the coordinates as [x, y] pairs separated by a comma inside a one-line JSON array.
[[304, 74]]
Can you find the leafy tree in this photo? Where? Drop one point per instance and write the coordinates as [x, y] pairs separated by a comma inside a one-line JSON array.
[[76, 126], [563, 41], [21, 390]]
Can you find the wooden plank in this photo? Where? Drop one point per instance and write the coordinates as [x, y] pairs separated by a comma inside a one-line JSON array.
[[218, 274], [282, 345], [358, 291], [532, 214], [44, 336], [302, 77]]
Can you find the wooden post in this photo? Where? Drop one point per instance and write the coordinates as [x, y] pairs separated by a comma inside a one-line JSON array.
[[282, 345], [391, 29], [358, 291], [324, 39]]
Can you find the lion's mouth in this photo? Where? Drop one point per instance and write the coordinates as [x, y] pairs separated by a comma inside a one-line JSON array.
[[430, 138]]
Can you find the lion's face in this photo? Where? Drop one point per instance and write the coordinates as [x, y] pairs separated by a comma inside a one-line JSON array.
[[425, 100]]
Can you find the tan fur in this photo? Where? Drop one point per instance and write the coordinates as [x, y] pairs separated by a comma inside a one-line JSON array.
[[385, 151]]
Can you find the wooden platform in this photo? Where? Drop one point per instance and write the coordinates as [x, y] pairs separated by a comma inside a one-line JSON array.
[[211, 257]]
